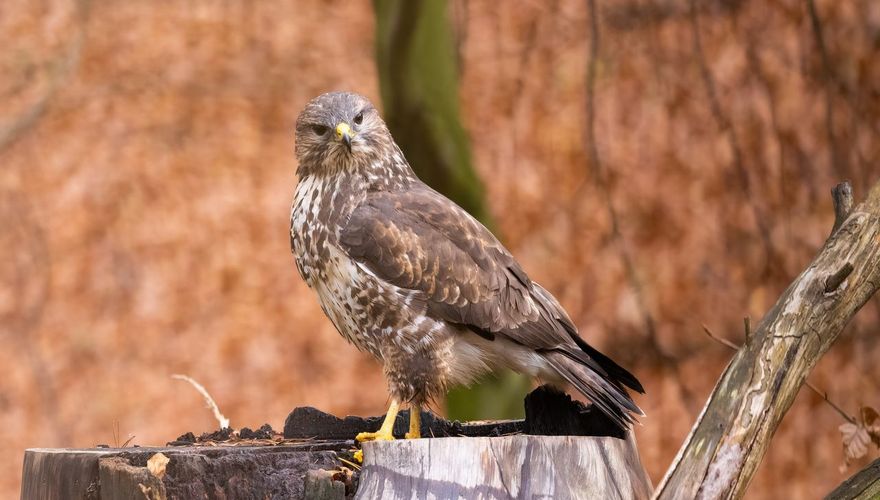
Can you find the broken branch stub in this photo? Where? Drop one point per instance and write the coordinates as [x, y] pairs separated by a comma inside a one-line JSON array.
[[731, 435]]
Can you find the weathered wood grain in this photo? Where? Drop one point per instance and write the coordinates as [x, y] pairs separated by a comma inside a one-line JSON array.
[[119, 479], [732, 433], [48, 474], [863, 485], [557, 467]]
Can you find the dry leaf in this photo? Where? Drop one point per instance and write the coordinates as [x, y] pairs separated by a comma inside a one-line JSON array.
[[855, 441], [872, 423], [156, 464]]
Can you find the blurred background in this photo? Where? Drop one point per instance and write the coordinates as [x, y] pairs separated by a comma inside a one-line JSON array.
[[658, 165]]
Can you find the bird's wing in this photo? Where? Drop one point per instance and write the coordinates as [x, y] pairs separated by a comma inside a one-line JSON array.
[[418, 240]]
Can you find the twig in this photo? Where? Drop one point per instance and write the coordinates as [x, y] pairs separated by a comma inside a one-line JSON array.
[[821, 394], [720, 340], [116, 436], [222, 420], [824, 395], [842, 197]]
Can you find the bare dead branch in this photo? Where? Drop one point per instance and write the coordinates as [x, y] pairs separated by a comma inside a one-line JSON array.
[[822, 394], [729, 439], [720, 340]]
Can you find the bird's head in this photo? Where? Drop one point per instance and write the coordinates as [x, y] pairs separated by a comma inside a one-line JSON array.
[[339, 129]]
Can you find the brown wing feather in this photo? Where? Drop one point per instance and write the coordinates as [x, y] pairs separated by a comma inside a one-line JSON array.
[[419, 240]]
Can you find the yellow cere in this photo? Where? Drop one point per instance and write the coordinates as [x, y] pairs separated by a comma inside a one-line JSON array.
[[343, 129]]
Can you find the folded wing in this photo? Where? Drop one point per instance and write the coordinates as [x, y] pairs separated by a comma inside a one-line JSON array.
[[418, 240]]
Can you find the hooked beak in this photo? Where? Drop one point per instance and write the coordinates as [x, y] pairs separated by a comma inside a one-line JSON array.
[[344, 134]]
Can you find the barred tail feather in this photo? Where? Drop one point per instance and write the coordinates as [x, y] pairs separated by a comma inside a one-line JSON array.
[[608, 395]]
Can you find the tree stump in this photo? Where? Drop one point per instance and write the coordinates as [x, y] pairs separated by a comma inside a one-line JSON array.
[[517, 466], [562, 449]]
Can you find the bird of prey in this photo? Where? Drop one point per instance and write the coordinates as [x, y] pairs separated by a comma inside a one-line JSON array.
[[408, 276]]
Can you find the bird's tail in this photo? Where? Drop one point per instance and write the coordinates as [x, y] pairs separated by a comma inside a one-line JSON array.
[[596, 383]]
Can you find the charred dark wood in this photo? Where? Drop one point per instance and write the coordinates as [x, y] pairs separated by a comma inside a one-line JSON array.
[[308, 422], [549, 412]]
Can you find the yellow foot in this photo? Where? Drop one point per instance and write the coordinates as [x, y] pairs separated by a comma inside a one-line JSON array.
[[374, 436], [415, 422], [359, 456]]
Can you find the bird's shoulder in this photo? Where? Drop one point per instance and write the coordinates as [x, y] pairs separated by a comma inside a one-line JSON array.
[[419, 225], [419, 240]]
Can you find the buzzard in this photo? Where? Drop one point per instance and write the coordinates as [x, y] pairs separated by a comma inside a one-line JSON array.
[[408, 276]]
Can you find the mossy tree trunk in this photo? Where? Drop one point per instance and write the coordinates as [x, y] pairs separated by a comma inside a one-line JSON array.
[[418, 79]]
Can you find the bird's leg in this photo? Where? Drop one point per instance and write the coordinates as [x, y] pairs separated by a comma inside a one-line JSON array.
[[384, 432], [415, 421]]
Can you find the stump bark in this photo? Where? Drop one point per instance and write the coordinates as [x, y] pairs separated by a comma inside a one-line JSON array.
[[193, 472]]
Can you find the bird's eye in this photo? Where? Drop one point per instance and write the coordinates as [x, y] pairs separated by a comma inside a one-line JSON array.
[[320, 130], [359, 118]]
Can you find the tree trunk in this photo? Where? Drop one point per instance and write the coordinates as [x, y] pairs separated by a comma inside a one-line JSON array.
[[734, 430], [418, 77]]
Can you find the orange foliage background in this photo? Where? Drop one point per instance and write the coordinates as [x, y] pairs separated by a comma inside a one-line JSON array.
[[146, 172]]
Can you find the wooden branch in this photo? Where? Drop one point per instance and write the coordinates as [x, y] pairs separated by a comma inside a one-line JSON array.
[[504, 467], [733, 431], [863, 485]]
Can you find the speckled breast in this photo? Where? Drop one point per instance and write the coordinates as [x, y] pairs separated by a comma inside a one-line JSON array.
[[363, 308]]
